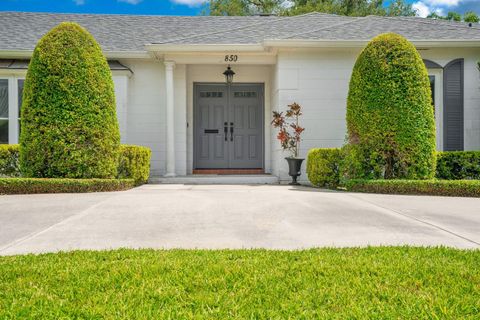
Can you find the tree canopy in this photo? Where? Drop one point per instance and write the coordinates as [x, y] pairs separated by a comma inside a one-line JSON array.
[[295, 7], [469, 16], [244, 7]]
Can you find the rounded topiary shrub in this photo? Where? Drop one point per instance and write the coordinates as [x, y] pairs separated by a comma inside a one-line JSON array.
[[69, 123], [323, 167], [390, 117]]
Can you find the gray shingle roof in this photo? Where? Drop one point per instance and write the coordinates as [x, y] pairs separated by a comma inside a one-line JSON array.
[[412, 28], [21, 31]]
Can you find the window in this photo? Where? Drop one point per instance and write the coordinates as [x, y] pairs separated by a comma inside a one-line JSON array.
[[208, 94], [11, 91], [432, 88], [3, 111], [435, 76], [20, 97], [245, 94]]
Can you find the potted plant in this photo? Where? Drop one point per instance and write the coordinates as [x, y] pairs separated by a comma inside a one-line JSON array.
[[289, 136]]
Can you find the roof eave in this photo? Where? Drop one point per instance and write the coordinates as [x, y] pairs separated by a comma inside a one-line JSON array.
[[168, 47], [362, 43], [16, 54]]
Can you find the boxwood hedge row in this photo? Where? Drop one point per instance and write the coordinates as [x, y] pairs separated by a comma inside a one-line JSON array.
[[133, 162], [457, 165], [324, 170], [450, 188], [58, 185]]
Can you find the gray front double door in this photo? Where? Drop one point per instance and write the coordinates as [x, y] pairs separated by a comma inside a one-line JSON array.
[[228, 126]]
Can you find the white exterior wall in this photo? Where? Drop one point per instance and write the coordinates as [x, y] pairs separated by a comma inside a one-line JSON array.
[[121, 98], [146, 109], [318, 79]]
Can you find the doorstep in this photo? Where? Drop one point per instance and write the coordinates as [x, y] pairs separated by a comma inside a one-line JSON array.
[[217, 179], [229, 171]]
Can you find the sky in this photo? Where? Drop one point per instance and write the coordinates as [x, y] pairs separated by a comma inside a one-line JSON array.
[[190, 7]]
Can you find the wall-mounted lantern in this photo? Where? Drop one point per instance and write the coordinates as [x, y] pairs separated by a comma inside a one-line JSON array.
[[229, 75]]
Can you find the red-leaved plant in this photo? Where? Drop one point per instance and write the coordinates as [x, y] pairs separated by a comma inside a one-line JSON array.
[[289, 129]]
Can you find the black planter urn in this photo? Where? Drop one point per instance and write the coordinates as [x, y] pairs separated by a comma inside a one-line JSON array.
[[294, 169]]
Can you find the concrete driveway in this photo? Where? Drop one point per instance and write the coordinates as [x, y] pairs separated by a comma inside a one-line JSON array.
[[220, 216]]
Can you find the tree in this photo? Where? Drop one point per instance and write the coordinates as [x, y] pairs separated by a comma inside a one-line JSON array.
[[471, 16], [454, 16], [390, 121], [341, 7], [400, 8], [69, 122], [295, 7], [435, 15], [244, 7]]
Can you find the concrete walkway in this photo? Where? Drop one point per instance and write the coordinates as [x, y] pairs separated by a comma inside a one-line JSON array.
[[219, 216]]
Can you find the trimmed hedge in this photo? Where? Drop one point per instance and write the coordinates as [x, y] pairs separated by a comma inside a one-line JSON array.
[[9, 162], [458, 165], [39, 185], [390, 120], [69, 122], [323, 167], [134, 163], [450, 188]]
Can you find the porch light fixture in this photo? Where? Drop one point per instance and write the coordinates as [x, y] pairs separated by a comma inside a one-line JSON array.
[[229, 75]]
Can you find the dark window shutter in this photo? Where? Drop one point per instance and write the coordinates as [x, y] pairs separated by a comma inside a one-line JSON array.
[[453, 123]]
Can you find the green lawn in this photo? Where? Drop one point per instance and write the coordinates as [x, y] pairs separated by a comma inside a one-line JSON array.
[[374, 283]]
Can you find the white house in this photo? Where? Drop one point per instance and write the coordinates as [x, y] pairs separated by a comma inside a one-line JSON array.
[[172, 95]]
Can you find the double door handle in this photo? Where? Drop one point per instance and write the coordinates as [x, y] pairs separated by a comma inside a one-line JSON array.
[[225, 130]]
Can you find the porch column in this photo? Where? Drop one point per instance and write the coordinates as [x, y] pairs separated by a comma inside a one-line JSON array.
[[170, 119]]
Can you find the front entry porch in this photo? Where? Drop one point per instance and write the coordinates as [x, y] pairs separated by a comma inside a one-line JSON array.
[[212, 125]]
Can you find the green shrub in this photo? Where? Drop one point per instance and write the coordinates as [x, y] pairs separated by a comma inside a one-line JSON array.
[[134, 163], [9, 166], [323, 167], [451, 188], [69, 123], [458, 165], [391, 129], [39, 185]]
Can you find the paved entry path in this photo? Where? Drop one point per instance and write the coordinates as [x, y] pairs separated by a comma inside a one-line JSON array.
[[219, 216]]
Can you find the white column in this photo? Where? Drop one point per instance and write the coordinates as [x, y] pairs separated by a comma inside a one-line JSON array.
[[170, 119]]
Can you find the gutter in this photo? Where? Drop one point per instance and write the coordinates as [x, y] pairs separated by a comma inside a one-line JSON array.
[[204, 47], [18, 54], [298, 43]]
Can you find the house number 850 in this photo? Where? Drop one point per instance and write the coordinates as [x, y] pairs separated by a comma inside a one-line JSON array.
[[231, 58]]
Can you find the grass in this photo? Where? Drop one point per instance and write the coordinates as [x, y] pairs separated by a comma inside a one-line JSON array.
[[374, 283]]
